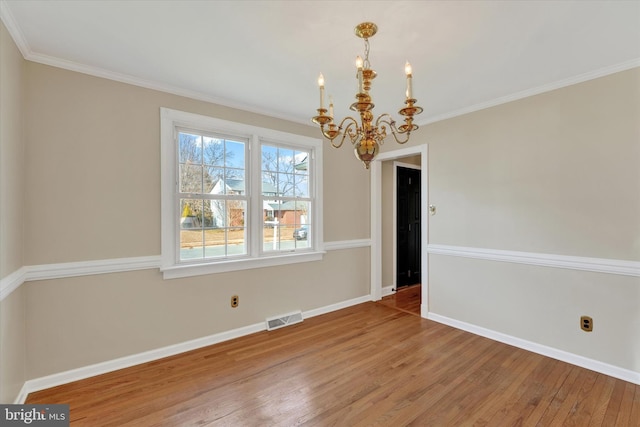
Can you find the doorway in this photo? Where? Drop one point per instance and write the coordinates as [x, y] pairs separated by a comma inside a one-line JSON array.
[[408, 226], [378, 201]]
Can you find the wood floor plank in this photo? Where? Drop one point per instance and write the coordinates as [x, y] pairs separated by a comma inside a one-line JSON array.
[[633, 417], [524, 393], [557, 378], [601, 402], [368, 364], [573, 379], [615, 404]]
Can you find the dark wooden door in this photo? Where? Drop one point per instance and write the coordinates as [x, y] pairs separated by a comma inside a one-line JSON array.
[[408, 227]]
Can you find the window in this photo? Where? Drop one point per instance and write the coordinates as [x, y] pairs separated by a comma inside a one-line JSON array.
[[236, 196], [285, 197], [212, 196]]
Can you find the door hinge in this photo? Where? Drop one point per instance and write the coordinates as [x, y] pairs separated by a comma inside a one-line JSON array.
[[409, 273], [409, 226]]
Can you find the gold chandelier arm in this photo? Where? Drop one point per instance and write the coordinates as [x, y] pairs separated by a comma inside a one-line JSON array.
[[348, 131], [387, 120]]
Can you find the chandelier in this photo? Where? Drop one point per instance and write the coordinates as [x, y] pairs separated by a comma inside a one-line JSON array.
[[367, 136]]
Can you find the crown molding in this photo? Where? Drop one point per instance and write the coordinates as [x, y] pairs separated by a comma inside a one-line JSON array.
[[28, 54], [153, 85], [580, 78], [14, 29]]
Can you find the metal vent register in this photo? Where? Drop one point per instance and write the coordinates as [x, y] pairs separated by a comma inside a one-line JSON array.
[[283, 320]]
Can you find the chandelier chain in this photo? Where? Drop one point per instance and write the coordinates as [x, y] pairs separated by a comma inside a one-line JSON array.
[[366, 54]]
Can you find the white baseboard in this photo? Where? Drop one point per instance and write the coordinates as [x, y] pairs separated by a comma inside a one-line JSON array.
[[54, 380], [335, 307], [388, 290], [22, 396], [554, 353]]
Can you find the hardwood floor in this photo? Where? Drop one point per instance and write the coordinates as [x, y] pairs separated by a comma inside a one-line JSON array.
[[364, 365], [406, 299]]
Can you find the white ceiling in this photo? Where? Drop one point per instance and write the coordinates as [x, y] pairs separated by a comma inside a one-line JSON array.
[[265, 56]]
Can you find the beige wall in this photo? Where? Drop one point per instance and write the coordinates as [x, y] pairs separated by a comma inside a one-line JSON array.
[[557, 173], [93, 192], [12, 308], [11, 155], [93, 171], [12, 345]]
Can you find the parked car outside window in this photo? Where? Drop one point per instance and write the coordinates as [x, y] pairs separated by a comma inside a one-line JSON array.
[[300, 233]]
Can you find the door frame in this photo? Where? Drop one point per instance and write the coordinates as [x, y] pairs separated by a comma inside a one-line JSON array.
[[376, 220], [396, 165]]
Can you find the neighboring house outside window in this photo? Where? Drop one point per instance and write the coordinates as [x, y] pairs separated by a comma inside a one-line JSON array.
[[236, 196]]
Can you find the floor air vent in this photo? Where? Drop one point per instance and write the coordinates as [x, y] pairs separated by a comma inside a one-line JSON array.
[[283, 320]]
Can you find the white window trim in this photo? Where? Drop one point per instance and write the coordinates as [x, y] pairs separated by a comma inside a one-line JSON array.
[[169, 120]]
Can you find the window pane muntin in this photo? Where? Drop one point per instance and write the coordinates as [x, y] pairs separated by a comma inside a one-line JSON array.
[[289, 215], [270, 239], [268, 187], [235, 182], [216, 152], [285, 184], [217, 176], [224, 151], [218, 231]]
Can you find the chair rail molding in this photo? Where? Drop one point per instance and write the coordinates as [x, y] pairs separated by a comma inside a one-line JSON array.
[[598, 265], [29, 273]]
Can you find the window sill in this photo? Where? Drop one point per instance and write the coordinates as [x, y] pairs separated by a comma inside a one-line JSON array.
[[178, 271]]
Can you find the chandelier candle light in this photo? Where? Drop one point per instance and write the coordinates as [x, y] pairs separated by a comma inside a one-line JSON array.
[[367, 136]]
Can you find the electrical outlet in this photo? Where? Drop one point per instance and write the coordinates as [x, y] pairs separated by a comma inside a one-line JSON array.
[[586, 323], [235, 300]]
